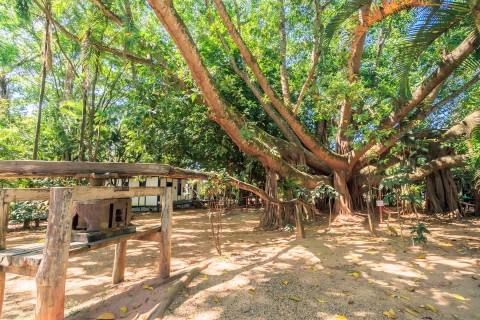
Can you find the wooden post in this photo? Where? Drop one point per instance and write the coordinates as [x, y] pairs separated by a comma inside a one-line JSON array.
[[165, 243], [52, 272], [119, 262], [4, 206], [299, 222], [3, 275]]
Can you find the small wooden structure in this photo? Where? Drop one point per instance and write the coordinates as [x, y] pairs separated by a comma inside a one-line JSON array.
[[99, 219], [47, 261]]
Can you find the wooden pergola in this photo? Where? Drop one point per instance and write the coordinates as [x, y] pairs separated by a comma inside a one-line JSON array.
[[48, 261]]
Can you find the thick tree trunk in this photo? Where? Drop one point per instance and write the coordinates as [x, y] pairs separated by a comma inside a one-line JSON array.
[[441, 191], [356, 194], [271, 218], [343, 203]]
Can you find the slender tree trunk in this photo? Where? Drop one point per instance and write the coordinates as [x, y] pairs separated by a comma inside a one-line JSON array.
[[85, 89], [343, 203], [39, 113], [92, 110], [46, 65]]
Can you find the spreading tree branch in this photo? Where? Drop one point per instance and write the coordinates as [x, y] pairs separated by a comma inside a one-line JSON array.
[[283, 55], [228, 118], [422, 171], [332, 159], [107, 12], [354, 63], [317, 45], [269, 109], [443, 71], [116, 52]]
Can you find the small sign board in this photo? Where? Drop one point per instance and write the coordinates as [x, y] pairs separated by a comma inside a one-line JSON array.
[[380, 203]]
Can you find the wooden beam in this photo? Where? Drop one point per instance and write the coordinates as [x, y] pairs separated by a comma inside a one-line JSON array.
[[28, 271], [82, 193], [151, 237], [165, 243], [113, 240], [42, 169], [4, 208], [52, 272], [99, 193], [118, 274], [19, 195]]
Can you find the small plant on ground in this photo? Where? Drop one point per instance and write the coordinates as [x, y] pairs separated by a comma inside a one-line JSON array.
[[418, 234], [216, 191]]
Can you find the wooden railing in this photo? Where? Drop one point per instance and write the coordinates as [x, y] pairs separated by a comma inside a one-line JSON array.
[[48, 262]]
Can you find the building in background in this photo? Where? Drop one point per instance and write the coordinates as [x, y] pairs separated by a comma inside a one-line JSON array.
[[183, 193]]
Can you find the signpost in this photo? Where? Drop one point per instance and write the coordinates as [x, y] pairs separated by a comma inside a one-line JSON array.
[[380, 205]]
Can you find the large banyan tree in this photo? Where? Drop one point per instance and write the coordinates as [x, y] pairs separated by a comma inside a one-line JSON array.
[[352, 89]]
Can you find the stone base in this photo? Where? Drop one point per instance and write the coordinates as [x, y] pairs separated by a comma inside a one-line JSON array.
[[91, 236]]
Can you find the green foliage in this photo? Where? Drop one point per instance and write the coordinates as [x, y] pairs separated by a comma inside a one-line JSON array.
[[289, 227], [247, 131], [475, 155], [419, 231], [22, 211], [216, 186]]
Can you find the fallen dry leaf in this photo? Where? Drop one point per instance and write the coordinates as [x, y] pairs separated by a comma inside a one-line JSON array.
[[205, 277], [123, 309], [459, 297], [390, 314], [421, 256], [216, 299], [393, 251], [285, 282], [354, 274], [405, 298], [445, 244], [294, 299], [428, 307], [411, 312], [320, 300], [136, 306], [147, 287], [106, 316], [340, 318], [251, 291]]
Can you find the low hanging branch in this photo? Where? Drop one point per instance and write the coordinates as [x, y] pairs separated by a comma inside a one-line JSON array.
[[423, 171], [42, 169]]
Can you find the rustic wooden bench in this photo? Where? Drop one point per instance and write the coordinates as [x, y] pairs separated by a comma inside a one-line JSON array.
[[26, 259], [467, 207], [48, 261]]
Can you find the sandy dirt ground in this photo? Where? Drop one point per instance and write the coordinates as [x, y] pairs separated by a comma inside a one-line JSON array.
[[271, 275]]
